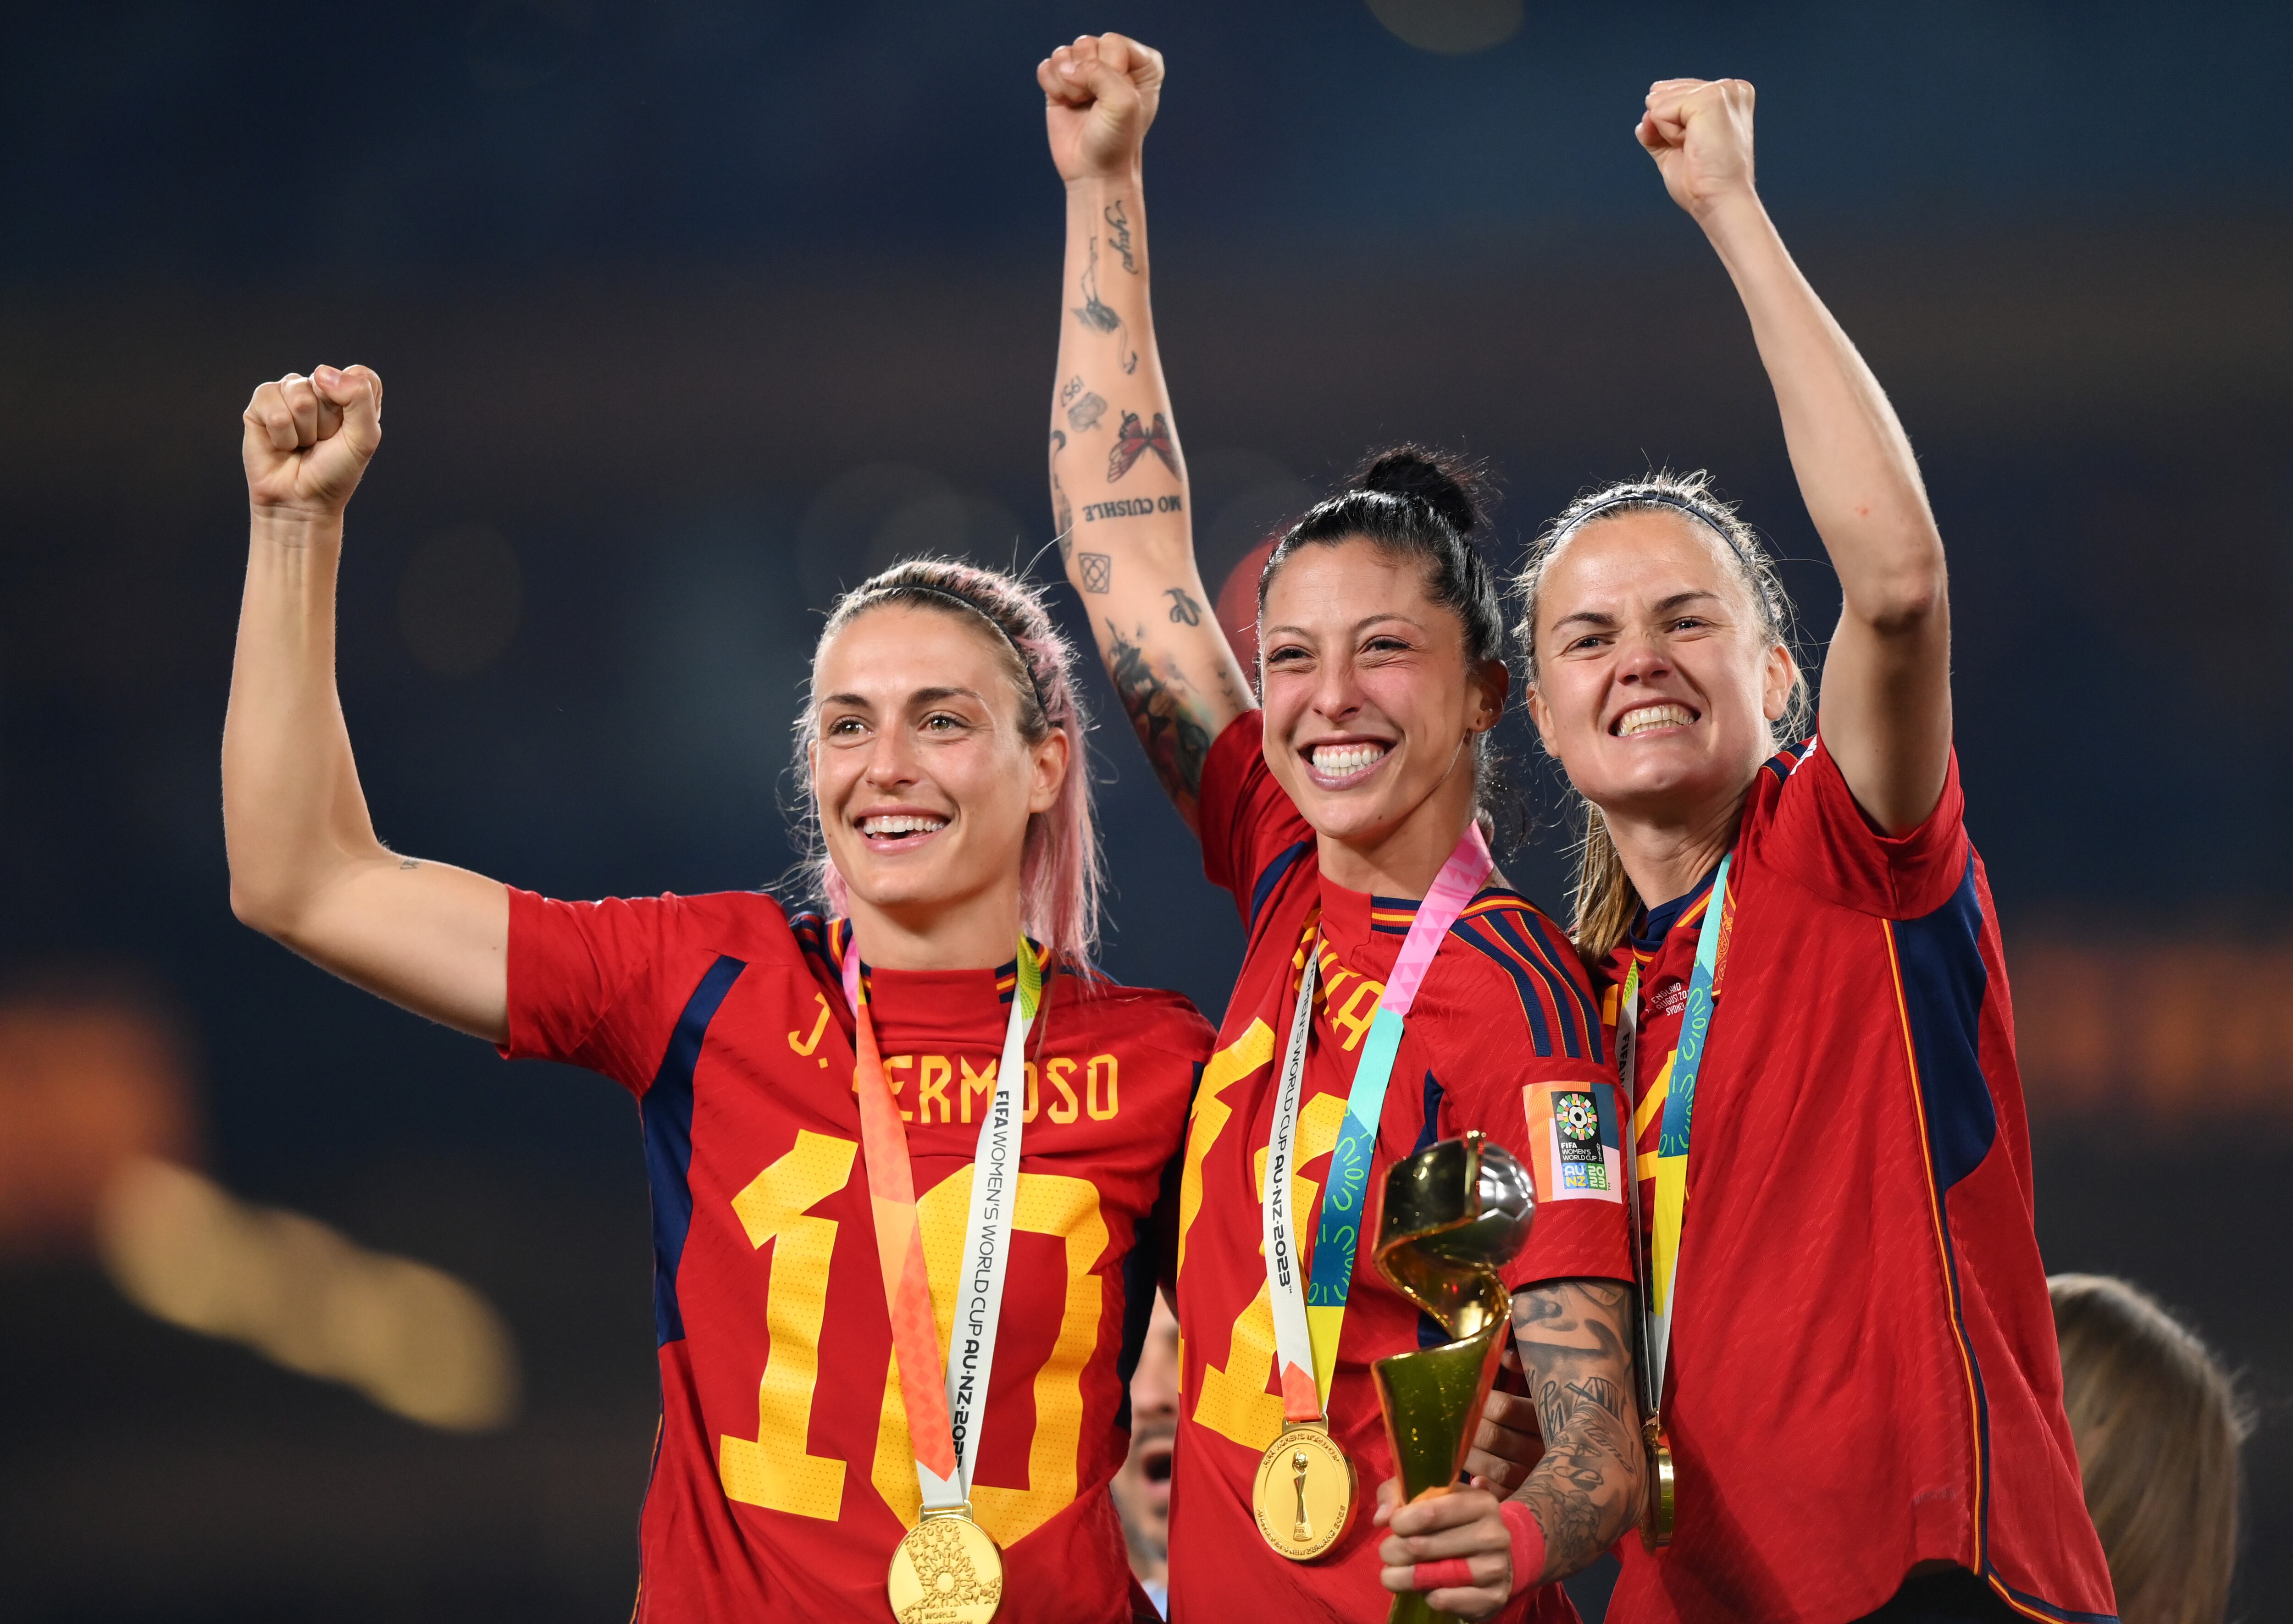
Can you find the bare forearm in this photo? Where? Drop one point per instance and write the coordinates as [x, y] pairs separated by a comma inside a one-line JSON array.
[[1120, 498], [1856, 470], [1586, 1491], [1886, 713], [294, 817]]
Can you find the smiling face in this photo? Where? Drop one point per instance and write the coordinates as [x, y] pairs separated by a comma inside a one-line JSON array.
[[1655, 683], [922, 779], [1371, 700]]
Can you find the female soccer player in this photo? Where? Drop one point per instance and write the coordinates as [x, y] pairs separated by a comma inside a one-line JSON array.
[[1851, 1342], [1342, 817], [853, 1167]]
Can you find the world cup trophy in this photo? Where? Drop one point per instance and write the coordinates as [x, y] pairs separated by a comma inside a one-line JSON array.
[[1455, 1214]]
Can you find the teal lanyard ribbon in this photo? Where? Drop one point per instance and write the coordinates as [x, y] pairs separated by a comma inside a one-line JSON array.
[[1679, 1120], [1337, 1234]]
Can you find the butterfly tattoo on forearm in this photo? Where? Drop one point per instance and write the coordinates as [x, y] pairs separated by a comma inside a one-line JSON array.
[[1133, 441]]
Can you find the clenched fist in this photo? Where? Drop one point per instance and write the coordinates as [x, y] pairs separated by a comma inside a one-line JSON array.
[[308, 440], [1700, 132], [1099, 96]]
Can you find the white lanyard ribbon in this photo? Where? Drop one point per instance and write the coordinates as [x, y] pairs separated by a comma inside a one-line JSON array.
[[1294, 1339], [1306, 1374], [986, 1237]]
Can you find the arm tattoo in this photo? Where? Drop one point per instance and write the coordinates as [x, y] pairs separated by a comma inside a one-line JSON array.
[[1098, 572], [1184, 610], [1119, 224], [407, 862], [1084, 408], [1177, 742], [1586, 1491], [1062, 514], [1133, 439], [1100, 317]]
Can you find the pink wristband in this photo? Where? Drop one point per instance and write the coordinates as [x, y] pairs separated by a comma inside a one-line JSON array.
[[1527, 1544]]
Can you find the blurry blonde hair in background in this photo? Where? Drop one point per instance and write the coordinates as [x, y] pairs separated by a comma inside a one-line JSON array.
[[2158, 1425]]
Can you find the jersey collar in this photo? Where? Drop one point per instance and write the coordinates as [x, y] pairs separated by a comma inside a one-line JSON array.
[[1652, 925]]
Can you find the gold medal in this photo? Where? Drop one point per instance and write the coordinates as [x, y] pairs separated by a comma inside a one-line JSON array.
[[1304, 1495], [947, 1570], [1656, 1511]]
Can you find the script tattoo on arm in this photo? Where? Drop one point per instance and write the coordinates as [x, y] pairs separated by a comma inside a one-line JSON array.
[[1164, 712], [1119, 224], [1586, 1491], [1184, 610]]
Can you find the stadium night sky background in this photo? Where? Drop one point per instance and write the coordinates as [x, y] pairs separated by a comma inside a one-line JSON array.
[[690, 312]]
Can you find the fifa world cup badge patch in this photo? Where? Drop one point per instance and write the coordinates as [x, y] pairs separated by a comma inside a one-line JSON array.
[[1573, 1142]]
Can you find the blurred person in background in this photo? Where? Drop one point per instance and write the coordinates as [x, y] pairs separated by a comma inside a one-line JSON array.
[[1142, 1489], [2159, 1425], [1861, 1381], [1344, 818], [840, 1175]]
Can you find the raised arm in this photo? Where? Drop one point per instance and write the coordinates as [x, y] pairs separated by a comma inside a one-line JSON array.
[[1118, 482], [1886, 678], [305, 866]]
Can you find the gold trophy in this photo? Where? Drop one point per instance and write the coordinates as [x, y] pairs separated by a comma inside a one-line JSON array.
[[1455, 1214]]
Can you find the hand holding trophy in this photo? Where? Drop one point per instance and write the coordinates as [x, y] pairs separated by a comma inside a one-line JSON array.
[[1455, 1214]]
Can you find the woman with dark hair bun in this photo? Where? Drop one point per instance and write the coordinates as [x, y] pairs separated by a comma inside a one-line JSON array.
[[1851, 1361], [1396, 990]]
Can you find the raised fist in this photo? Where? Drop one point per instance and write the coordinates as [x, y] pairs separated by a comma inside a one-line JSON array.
[[1099, 96], [309, 440], [1700, 132]]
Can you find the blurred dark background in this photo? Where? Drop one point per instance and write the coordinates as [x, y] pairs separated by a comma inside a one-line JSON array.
[[690, 312]]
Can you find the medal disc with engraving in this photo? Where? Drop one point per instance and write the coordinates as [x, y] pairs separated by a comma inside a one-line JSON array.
[[1657, 1514], [947, 1570], [1304, 1495]]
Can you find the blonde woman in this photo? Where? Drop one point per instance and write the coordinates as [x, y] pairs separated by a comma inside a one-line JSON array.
[[2159, 1425], [1851, 1359]]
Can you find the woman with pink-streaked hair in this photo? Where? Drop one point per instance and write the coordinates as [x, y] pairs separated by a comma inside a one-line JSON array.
[[859, 1124]]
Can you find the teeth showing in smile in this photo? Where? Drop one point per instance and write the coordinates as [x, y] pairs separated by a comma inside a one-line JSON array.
[[1652, 716], [1337, 760], [890, 826]]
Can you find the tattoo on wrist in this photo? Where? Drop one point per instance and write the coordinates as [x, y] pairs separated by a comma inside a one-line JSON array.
[[1133, 439], [1119, 224]]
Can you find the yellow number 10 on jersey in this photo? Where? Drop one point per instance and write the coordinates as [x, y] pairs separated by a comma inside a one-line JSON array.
[[774, 1470]]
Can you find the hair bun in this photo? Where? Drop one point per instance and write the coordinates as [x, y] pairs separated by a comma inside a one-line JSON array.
[[1458, 490]]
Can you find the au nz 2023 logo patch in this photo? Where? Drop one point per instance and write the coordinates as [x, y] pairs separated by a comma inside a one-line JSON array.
[[1572, 1138]]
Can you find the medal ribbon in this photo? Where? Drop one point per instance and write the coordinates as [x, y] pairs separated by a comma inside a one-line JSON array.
[[1306, 1322], [1679, 1115], [943, 1419]]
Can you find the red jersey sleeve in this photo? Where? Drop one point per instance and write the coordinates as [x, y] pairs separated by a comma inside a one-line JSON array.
[[1816, 834], [586, 979], [1251, 830]]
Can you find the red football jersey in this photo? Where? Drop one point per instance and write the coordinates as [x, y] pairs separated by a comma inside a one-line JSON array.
[[1864, 1373], [1505, 1029], [783, 1476]]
